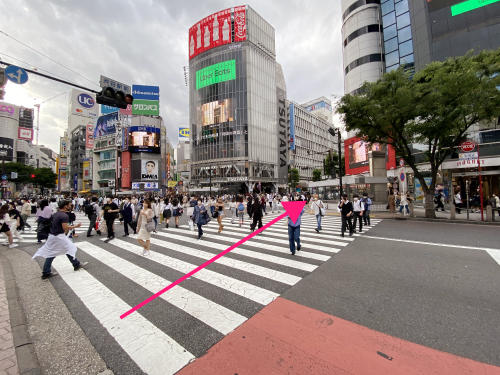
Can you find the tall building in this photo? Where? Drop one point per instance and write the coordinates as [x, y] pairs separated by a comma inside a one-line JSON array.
[[237, 104], [311, 140], [183, 166]]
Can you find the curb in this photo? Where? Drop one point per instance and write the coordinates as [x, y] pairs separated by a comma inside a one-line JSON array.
[[27, 360]]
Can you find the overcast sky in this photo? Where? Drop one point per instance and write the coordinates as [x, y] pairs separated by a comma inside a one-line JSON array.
[[146, 42]]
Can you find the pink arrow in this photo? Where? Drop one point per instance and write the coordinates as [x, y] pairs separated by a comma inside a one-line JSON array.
[[292, 209]]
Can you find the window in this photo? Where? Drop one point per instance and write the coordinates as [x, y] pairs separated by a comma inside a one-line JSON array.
[[406, 48], [387, 7], [404, 34], [403, 20], [402, 7], [392, 58], [391, 45], [407, 59], [389, 19], [390, 32]]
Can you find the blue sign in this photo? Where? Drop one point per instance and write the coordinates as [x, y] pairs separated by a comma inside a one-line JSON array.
[[4, 177], [16, 74], [163, 174], [402, 177], [85, 100], [292, 127], [183, 132], [105, 125], [146, 92], [318, 106], [105, 109], [75, 182], [147, 129]]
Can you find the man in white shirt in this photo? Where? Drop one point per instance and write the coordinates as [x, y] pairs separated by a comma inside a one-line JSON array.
[[358, 208]]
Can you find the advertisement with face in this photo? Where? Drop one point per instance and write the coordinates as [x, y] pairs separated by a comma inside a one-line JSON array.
[[105, 125], [144, 139], [358, 153], [149, 170], [216, 112]]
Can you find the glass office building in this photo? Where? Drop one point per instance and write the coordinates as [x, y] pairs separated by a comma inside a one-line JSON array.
[[233, 103]]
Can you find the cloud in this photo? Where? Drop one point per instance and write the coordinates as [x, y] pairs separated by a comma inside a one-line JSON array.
[[146, 42]]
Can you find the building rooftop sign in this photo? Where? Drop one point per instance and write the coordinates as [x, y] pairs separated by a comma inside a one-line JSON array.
[[469, 5]]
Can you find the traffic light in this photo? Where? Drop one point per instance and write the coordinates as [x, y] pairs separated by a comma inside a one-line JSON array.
[[32, 176], [3, 82], [114, 98]]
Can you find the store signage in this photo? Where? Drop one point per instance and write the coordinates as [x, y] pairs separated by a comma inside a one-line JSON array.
[[90, 137], [468, 155], [467, 146], [469, 5], [183, 132], [105, 109], [146, 92], [212, 31], [10, 110], [146, 107], [147, 185], [221, 72], [240, 24], [172, 183], [108, 82], [25, 133], [237, 179]]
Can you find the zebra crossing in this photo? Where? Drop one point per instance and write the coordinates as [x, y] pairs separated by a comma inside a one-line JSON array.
[[187, 320]]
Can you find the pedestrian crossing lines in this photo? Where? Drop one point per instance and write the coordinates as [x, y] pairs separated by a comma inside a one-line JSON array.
[[181, 325]]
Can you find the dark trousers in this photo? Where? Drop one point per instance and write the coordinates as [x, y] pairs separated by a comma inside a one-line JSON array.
[[293, 236], [346, 222], [109, 225], [366, 217], [256, 220], [357, 216], [200, 231], [440, 205], [48, 263], [212, 210], [92, 219], [126, 224]]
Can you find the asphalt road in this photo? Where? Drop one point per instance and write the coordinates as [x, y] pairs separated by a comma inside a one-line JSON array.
[[443, 297]]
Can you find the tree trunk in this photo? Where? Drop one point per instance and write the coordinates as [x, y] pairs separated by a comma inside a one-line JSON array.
[[430, 211]]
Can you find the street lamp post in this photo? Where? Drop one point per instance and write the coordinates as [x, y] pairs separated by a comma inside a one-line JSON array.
[[339, 145]]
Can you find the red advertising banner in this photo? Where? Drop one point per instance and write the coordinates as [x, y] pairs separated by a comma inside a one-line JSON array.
[[356, 155], [240, 24], [25, 133], [127, 111], [90, 137], [126, 170], [210, 32]]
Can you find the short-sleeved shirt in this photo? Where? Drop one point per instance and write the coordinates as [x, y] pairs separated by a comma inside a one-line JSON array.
[[109, 206], [59, 218]]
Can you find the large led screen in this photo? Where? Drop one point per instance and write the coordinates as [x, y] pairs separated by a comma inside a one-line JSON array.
[[358, 153], [220, 72], [144, 139], [216, 112]]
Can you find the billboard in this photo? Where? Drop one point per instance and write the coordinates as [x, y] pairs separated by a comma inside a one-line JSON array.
[[240, 24], [318, 106], [63, 152], [292, 127], [216, 112], [83, 103], [220, 72], [212, 31], [183, 132], [89, 137], [25, 134], [86, 170], [149, 170], [105, 109], [147, 185], [7, 147], [282, 136], [144, 139], [356, 155], [62, 178], [105, 125], [126, 169], [146, 92], [146, 107]]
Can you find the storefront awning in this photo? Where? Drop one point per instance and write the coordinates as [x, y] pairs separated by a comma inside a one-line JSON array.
[[84, 192]]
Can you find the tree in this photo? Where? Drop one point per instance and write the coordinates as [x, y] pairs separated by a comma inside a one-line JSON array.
[[24, 172], [334, 164], [45, 178], [316, 175], [434, 109], [294, 177]]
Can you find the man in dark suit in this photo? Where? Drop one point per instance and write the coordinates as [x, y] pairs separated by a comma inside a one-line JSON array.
[[345, 208], [128, 213]]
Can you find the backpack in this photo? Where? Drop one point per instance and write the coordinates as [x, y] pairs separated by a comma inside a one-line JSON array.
[[89, 209], [241, 207]]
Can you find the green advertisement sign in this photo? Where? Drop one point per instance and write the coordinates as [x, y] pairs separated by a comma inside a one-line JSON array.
[[224, 71], [469, 5], [146, 107]]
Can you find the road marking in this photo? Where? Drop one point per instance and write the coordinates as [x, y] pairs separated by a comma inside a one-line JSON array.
[[214, 315], [150, 348], [497, 251]]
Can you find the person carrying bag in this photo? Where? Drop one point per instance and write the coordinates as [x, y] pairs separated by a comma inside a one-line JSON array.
[[318, 208]]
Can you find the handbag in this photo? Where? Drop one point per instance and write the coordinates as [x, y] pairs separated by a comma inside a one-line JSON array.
[[150, 226], [215, 215], [322, 210]]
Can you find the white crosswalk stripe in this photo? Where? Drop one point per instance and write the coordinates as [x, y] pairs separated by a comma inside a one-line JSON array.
[[217, 299]]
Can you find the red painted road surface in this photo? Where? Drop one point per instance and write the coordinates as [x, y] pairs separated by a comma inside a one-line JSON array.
[[288, 338]]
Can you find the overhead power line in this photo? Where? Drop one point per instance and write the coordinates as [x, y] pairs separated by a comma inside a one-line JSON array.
[[7, 35]]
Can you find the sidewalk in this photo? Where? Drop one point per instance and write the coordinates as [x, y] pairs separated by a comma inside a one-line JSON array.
[[8, 359]]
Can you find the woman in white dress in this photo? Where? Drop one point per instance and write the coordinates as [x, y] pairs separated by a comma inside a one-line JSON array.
[[232, 206], [145, 215]]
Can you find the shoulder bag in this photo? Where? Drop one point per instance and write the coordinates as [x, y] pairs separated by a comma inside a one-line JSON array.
[[322, 210], [150, 225]]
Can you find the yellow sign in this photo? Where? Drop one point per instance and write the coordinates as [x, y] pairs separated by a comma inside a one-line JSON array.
[[172, 183], [183, 132]]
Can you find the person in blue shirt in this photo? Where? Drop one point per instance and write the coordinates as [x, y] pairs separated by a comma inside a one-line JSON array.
[[294, 232], [366, 213]]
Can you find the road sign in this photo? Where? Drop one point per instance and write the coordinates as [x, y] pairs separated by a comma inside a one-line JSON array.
[[468, 145], [401, 162], [402, 176], [5, 182], [4, 177], [16, 74]]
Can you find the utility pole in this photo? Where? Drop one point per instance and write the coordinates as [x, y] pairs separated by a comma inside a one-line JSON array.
[[340, 163]]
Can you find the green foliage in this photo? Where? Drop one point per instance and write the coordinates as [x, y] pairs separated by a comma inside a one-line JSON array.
[[294, 177], [434, 109], [45, 178], [24, 172], [316, 175]]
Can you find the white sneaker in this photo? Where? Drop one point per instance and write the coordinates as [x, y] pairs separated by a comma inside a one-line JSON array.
[[13, 245], [399, 213], [6, 243], [146, 253]]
